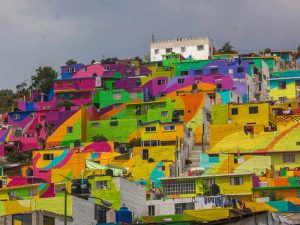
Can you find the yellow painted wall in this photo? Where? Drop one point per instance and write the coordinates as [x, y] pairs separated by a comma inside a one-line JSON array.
[[243, 117], [54, 205], [206, 214]]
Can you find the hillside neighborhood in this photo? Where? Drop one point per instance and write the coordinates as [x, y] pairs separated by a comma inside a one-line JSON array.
[[190, 134]]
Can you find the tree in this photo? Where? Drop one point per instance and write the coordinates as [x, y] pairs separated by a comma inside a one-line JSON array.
[[113, 60], [38, 128], [71, 62], [297, 53], [43, 80], [21, 90], [67, 104], [7, 100], [227, 49], [99, 138]]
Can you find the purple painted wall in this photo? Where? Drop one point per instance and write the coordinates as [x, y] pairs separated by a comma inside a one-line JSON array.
[[129, 84], [154, 87]]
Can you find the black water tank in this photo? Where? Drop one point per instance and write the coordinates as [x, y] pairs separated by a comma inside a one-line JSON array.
[[76, 187], [109, 172], [85, 187]]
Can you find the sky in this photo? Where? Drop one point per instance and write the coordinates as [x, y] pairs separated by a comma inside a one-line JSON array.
[[37, 33]]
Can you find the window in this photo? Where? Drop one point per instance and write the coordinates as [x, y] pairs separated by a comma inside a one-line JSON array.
[[48, 156], [236, 181], [298, 143], [234, 111], [59, 83], [209, 182], [289, 158], [164, 113], [230, 71], [181, 81], [84, 69], [214, 71], [138, 82], [167, 143], [253, 109], [113, 123], [70, 83], [281, 85], [169, 127], [69, 130], [12, 193], [298, 193], [95, 125], [198, 72], [4, 180], [161, 168], [117, 106], [156, 51], [169, 50], [180, 207], [161, 82], [133, 96], [179, 187], [101, 185], [150, 129], [32, 192], [184, 73], [219, 86], [208, 117], [145, 154], [117, 96], [183, 49], [71, 70], [16, 116], [200, 47], [151, 210], [106, 68], [282, 99], [240, 69]]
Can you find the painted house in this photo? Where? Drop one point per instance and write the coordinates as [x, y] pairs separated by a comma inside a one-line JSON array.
[[238, 185], [196, 48], [109, 98], [285, 85]]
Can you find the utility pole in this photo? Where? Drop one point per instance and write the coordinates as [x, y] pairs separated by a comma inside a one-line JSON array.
[[65, 212]]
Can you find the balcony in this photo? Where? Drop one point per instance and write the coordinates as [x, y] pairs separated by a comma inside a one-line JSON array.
[[288, 118]]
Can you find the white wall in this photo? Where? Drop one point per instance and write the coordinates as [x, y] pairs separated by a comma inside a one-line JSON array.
[[190, 45], [133, 196]]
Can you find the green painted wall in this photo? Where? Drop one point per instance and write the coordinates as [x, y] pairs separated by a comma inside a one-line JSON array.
[[71, 137], [112, 194], [119, 133], [186, 65], [170, 59], [106, 97]]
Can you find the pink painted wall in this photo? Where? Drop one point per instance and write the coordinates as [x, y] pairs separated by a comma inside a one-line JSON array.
[[91, 70]]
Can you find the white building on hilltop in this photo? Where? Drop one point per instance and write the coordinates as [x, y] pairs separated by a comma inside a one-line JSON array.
[[195, 47]]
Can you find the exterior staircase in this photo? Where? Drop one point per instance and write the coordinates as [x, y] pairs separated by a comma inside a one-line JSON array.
[[194, 156]]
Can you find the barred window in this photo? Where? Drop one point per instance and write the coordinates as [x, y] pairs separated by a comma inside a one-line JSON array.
[[179, 187], [236, 181], [101, 185], [289, 158]]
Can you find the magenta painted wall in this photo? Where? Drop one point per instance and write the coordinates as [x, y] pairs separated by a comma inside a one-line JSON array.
[[153, 87], [87, 83]]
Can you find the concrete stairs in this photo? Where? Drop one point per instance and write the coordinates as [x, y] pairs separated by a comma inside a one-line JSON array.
[[194, 156]]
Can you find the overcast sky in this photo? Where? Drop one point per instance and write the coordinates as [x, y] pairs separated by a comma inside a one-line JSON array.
[[39, 33]]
